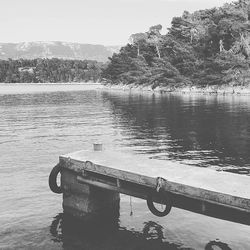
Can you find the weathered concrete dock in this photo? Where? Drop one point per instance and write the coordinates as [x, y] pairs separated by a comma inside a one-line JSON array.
[[92, 180]]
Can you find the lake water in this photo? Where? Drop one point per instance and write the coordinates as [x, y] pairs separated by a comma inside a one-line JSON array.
[[39, 123]]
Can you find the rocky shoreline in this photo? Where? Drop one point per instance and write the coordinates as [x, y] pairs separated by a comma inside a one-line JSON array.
[[217, 90]]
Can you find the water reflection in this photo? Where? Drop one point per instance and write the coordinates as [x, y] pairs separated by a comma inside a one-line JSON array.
[[107, 235], [218, 245], [208, 131], [152, 230], [110, 235]]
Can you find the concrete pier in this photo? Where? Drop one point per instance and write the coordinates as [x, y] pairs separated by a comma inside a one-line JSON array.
[[87, 201], [92, 180]]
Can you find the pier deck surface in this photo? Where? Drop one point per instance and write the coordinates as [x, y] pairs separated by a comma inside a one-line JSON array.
[[209, 179]]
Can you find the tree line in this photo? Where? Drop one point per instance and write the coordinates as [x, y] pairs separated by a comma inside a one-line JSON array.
[[49, 71], [207, 47]]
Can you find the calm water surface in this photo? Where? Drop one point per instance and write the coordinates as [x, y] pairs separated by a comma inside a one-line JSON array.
[[39, 123]]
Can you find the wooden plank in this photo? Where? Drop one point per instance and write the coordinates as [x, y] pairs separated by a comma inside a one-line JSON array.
[[99, 184]]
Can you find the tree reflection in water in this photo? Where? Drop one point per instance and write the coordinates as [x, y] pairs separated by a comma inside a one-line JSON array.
[[203, 131]]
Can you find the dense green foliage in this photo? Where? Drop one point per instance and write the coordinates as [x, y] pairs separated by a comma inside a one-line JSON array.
[[204, 48], [49, 70]]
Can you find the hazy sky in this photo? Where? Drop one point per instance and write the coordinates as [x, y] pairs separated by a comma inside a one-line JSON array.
[[108, 22]]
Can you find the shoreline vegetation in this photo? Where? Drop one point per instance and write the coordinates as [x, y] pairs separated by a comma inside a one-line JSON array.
[[54, 70], [207, 51], [192, 90]]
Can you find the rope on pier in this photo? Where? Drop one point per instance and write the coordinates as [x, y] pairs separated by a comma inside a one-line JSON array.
[[160, 182], [131, 208]]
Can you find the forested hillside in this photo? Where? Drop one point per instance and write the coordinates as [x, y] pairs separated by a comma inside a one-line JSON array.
[[49, 71], [207, 47]]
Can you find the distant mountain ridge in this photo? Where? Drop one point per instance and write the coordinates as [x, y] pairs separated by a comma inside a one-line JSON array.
[[56, 49]]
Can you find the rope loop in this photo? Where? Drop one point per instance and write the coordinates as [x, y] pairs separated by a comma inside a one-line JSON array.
[[159, 183]]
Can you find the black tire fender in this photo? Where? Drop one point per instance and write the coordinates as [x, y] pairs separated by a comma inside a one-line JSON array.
[[53, 179], [155, 211]]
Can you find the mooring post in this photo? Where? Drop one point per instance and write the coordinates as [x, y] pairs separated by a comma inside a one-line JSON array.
[[97, 147], [86, 201]]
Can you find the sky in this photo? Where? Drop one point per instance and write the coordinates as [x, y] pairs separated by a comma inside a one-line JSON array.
[[107, 22]]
